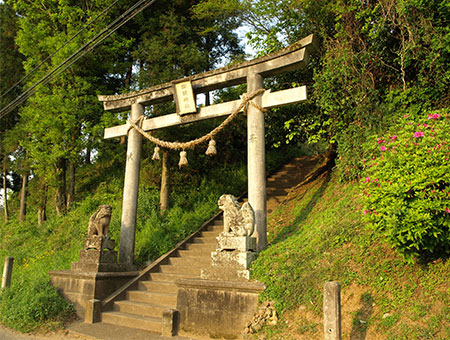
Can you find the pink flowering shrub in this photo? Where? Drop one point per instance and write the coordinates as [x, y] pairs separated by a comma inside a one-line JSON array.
[[406, 186]]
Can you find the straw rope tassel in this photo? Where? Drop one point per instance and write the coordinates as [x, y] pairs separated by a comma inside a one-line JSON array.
[[246, 100], [155, 156], [211, 151], [183, 159]]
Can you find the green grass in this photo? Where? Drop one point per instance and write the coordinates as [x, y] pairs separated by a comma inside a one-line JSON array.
[[31, 302], [318, 236]]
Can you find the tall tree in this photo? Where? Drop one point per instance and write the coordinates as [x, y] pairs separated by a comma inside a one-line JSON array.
[[62, 115], [11, 72], [175, 43]]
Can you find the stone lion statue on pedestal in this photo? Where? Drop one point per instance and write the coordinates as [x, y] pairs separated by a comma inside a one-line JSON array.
[[99, 221], [237, 220]]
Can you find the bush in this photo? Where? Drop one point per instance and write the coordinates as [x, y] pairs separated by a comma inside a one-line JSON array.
[[27, 305], [406, 186]]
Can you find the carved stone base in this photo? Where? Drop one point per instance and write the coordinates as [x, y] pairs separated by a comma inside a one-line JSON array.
[[99, 243], [79, 287], [240, 243], [214, 308], [98, 256], [231, 259], [225, 274]]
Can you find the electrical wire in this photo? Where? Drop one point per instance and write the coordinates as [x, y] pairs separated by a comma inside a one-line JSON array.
[[59, 49], [89, 46]]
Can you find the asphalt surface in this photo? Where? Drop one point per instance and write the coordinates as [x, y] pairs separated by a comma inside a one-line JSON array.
[[82, 331], [8, 334]]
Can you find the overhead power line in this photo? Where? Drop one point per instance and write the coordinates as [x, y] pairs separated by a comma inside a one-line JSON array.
[[86, 48], [59, 49]]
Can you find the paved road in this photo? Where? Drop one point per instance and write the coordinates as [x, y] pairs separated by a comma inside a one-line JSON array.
[[81, 331], [7, 334]]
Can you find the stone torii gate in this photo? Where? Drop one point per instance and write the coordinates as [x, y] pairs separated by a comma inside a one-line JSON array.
[[253, 73]]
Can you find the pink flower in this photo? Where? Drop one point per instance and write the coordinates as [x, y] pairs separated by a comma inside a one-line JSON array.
[[447, 210], [367, 179], [425, 125], [418, 134], [394, 137], [404, 116], [383, 148], [365, 212], [435, 116], [380, 140]]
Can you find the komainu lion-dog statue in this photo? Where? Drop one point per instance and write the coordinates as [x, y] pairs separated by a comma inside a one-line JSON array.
[[99, 221], [237, 220]]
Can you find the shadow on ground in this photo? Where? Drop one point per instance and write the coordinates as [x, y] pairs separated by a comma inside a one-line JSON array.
[[361, 318], [303, 214]]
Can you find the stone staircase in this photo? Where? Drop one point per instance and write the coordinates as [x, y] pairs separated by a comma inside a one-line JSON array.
[[140, 304]]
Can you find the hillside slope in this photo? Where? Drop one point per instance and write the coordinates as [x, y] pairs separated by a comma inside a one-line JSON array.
[[316, 235]]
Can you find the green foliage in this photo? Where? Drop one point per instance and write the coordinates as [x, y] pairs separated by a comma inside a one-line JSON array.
[[27, 305], [194, 200], [319, 236], [407, 185], [288, 266]]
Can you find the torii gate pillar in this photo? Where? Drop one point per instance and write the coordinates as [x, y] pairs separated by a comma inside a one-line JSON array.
[[130, 190], [256, 160], [253, 72]]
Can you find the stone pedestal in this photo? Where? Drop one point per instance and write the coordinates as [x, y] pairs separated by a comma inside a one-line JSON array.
[[79, 287], [94, 277], [98, 255], [220, 304], [232, 258], [216, 309]]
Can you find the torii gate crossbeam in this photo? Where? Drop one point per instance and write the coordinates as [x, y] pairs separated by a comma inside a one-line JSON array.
[[253, 73]]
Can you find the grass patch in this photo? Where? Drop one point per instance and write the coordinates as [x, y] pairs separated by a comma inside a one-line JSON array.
[[31, 302], [318, 236]]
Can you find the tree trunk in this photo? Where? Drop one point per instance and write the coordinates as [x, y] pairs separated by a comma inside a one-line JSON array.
[[165, 183], [5, 196], [42, 210], [71, 188], [23, 198], [129, 75], [87, 158], [60, 193]]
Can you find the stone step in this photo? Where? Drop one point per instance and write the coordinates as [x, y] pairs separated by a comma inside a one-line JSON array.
[[135, 321], [199, 254], [211, 234], [216, 228], [277, 192], [280, 184], [168, 278], [201, 246], [274, 202], [143, 307], [190, 261], [203, 240], [277, 198], [158, 286], [168, 300], [286, 172], [171, 269], [139, 308]]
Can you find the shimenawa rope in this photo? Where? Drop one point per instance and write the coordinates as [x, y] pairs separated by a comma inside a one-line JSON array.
[[246, 99]]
